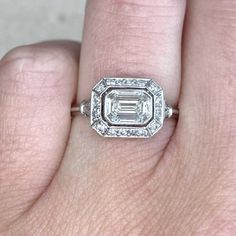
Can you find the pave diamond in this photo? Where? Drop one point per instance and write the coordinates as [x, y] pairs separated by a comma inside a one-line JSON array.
[[128, 107]]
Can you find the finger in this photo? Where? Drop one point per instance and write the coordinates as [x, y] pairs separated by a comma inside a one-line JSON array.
[[205, 138], [37, 85], [209, 88], [130, 38]]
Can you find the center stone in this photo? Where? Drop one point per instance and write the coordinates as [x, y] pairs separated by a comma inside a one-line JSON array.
[[128, 107]]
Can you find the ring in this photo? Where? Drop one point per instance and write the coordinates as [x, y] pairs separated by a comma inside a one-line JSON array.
[[126, 108]]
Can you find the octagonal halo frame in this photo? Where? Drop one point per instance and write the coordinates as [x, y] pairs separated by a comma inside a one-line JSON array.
[[103, 128]]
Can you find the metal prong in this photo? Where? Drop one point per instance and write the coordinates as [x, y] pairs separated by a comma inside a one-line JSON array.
[[170, 112], [83, 108]]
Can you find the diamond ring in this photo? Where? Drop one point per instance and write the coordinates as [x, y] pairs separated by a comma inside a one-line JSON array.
[[126, 108]]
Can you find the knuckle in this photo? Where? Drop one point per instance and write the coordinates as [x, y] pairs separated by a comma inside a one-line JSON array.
[[18, 52], [36, 58], [32, 67]]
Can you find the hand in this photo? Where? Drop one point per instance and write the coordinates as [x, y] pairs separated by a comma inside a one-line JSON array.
[[58, 177]]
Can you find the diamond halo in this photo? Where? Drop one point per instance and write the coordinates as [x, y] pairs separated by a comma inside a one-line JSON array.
[[127, 107]]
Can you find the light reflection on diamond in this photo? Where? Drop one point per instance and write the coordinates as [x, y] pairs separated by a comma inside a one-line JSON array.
[[129, 106]]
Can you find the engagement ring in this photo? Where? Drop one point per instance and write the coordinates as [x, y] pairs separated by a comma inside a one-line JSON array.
[[126, 108]]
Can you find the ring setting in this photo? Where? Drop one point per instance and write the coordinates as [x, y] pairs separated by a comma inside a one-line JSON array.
[[126, 108]]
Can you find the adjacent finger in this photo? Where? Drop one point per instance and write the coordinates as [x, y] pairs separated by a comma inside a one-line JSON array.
[[37, 86], [209, 87], [205, 139]]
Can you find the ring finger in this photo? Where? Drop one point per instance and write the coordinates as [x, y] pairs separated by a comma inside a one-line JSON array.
[[133, 39]]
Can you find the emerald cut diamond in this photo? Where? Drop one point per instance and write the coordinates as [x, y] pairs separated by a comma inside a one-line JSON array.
[[127, 107]]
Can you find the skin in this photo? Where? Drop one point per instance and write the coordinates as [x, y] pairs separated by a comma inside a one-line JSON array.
[[58, 177]]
